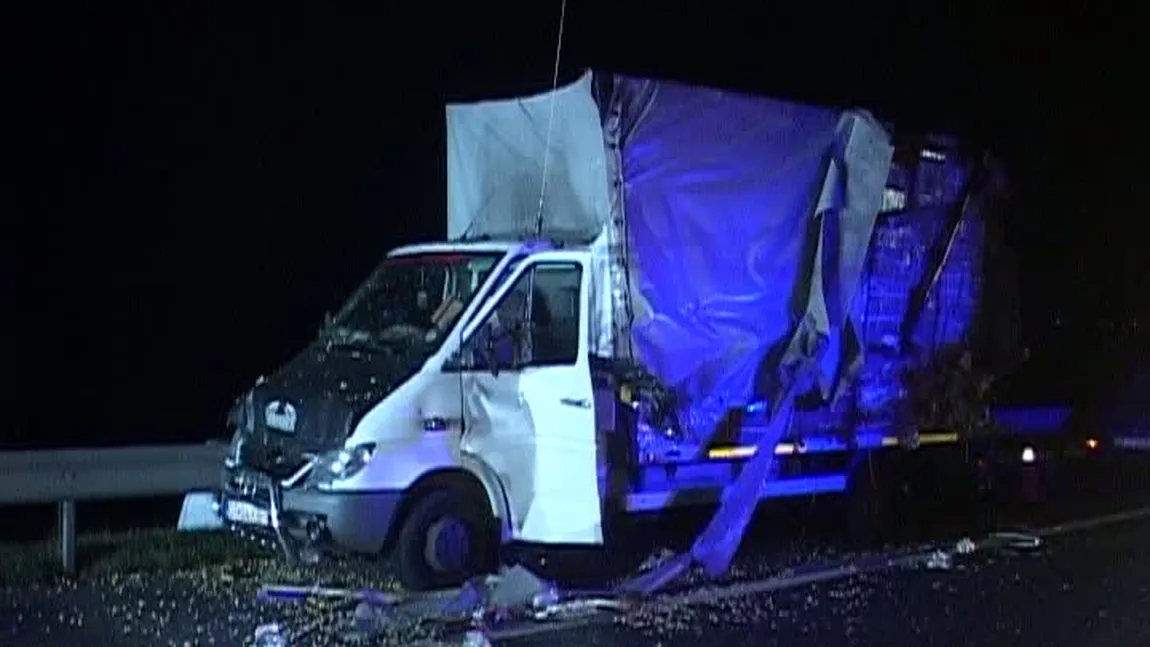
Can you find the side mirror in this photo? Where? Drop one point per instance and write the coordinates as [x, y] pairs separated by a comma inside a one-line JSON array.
[[460, 360], [470, 358], [483, 352], [510, 340]]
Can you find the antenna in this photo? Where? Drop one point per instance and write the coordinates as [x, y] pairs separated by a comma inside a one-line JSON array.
[[550, 118]]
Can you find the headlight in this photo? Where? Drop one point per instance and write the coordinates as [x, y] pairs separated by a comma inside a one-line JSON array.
[[344, 463]]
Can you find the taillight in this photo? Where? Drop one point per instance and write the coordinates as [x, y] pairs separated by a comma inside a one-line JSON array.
[[1029, 455]]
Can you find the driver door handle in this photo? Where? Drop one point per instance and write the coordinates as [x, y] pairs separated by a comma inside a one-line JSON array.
[[581, 403]]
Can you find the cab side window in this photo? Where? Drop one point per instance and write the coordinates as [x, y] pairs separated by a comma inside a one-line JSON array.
[[556, 315], [536, 323]]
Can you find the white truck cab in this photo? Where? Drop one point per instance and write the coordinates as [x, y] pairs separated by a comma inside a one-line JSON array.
[[447, 407]]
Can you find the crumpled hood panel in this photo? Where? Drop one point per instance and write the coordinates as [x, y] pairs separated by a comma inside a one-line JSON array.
[[312, 403]]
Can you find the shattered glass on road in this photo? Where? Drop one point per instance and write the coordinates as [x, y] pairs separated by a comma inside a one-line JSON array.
[[1087, 585]]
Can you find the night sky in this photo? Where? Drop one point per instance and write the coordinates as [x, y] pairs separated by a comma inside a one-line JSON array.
[[193, 187]]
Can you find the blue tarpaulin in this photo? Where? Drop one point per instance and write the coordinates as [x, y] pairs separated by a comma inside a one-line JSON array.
[[746, 223]]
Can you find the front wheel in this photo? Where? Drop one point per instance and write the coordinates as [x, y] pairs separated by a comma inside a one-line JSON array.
[[445, 540]]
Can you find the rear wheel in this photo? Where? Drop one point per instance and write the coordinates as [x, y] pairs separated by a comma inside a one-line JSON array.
[[446, 539]]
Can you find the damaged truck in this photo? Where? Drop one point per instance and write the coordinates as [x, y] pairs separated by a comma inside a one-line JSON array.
[[643, 284]]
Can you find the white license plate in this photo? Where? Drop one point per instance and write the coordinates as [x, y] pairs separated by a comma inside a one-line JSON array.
[[247, 513]]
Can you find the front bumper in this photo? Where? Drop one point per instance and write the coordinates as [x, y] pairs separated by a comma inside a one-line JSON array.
[[298, 519]]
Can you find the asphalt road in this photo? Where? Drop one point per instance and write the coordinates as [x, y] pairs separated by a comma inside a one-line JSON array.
[[1090, 588], [1084, 588]]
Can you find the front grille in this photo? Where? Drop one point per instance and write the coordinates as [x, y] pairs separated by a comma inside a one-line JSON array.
[[275, 460], [249, 485], [321, 424], [320, 420]]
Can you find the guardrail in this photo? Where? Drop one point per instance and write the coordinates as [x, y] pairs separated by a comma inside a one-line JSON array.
[[66, 476]]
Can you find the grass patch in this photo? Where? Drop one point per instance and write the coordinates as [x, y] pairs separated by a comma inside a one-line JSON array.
[[136, 551], [216, 558]]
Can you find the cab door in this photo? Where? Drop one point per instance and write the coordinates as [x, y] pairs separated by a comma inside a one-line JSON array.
[[528, 401]]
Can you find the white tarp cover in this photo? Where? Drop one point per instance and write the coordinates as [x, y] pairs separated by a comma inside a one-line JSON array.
[[496, 152]]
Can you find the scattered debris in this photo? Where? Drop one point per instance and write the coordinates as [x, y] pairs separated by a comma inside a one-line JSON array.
[[287, 593], [467, 616], [520, 587], [656, 559], [939, 560], [516, 593]]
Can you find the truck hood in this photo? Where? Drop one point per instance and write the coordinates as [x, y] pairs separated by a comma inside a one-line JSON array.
[[312, 403], [356, 377]]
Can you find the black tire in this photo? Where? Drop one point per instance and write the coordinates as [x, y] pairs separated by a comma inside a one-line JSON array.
[[467, 541]]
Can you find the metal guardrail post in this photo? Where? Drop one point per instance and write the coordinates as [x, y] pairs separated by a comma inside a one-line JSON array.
[[67, 522]]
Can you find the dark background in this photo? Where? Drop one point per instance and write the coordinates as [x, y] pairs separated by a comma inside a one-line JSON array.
[[191, 187]]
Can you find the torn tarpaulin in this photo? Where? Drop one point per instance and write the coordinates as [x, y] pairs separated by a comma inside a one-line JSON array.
[[715, 547]]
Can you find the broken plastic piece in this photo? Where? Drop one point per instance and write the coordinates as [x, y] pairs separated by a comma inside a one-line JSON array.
[[573, 608], [964, 546], [939, 561], [476, 639], [656, 559], [309, 556], [657, 577], [369, 618], [518, 587], [284, 593], [1018, 540], [545, 599], [270, 635]]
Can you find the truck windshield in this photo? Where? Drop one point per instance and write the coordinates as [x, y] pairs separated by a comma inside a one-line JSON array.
[[410, 300]]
